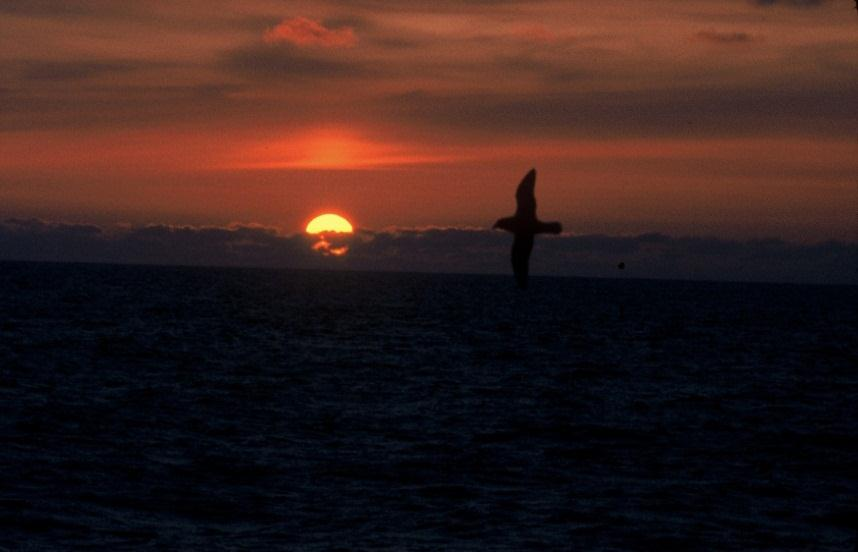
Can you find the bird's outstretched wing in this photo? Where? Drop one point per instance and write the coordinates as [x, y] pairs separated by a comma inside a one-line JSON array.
[[524, 197], [521, 248]]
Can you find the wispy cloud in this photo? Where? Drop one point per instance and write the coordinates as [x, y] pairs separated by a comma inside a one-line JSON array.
[[536, 33], [307, 32], [434, 250]]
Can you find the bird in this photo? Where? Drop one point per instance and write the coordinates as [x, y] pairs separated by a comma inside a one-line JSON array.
[[524, 225]]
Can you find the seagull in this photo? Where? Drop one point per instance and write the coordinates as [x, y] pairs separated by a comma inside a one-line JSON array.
[[525, 225]]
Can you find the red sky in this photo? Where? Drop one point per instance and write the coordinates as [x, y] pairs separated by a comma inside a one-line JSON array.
[[730, 118]]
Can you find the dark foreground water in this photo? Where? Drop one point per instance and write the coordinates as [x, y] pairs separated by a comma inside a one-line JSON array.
[[214, 409]]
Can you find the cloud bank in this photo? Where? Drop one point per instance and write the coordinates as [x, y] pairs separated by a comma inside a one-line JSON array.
[[454, 250]]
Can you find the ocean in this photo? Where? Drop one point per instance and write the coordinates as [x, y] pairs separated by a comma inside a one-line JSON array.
[[166, 408]]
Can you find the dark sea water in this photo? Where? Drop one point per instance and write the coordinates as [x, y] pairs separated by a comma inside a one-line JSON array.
[[224, 409]]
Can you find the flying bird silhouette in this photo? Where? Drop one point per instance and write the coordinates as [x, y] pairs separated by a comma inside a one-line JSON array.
[[524, 225]]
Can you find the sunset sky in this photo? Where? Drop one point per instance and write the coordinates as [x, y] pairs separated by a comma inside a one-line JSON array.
[[733, 119]]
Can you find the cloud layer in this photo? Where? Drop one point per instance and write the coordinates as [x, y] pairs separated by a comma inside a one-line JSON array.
[[435, 250], [542, 60]]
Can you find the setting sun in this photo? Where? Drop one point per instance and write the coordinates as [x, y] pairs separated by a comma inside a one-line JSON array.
[[329, 222]]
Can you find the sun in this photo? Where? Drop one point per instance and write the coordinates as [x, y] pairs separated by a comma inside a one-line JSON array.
[[324, 226], [329, 222]]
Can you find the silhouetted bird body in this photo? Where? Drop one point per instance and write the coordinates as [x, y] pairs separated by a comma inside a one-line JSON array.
[[525, 225]]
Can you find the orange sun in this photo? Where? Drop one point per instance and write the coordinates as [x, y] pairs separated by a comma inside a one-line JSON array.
[[329, 223]]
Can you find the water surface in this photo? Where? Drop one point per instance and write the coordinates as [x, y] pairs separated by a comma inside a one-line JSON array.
[[157, 408]]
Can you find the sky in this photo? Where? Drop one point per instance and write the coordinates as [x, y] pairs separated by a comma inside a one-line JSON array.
[[732, 120]]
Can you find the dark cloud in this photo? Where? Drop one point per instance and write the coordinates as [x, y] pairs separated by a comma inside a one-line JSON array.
[[790, 3], [436, 250], [123, 106], [77, 10], [725, 37], [74, 70], [288, 62], [53, 8], [717, 110], [413, 55], [435, 7]]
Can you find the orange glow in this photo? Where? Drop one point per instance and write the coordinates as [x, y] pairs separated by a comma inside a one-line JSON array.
[[329, 222], [334, 149]]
